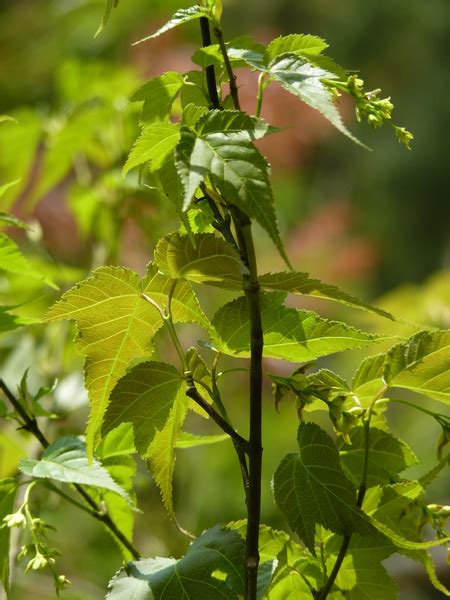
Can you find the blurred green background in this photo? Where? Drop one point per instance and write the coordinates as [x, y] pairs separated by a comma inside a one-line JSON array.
[[374, 222]]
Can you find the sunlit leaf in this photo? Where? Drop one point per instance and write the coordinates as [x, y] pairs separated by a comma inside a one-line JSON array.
[[300, 283], [158, 95], [66, 460], [422, 365], [184, 15], [154, 145], [289, 334], [210, 260]]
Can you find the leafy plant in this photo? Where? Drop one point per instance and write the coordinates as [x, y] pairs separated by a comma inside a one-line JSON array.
[[345, 496]]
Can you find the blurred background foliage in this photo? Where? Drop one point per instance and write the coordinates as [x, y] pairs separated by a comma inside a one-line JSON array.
[[375, 222]]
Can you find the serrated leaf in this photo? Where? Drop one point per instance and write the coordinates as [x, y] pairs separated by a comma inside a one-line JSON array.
[[388, 457], [8, 489], [212, 569], [66, 460], [153, 146], [211, 260], [299, 77], [289, 334], [161, 451], [422, 365], [158, 95], [236, 167], [295, 43], [233, 121], [110, 4], [184, 15], [143, 397], [116, 326], [300, 283], [311, 488]]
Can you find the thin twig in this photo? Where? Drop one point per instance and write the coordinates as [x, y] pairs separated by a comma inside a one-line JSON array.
[[30, 425], [193, 393]]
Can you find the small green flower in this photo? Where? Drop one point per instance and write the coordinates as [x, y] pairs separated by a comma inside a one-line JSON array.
[[39, 561], [404, 136], [16, 519]]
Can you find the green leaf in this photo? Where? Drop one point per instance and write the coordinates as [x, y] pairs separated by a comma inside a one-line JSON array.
[[299, 77], [212, 569], [388, 457], [8, 489], [6, 186], [143, 397], [311, 488], [190, 440], [158, 95], [233, 121], [161, 451], [184, 15], [154, 145], [110, 4], [66, 460], [362, 574], [289, 334], [116, 326], [211, 260], [368, 379], [422, 365], [13, 261], [300, 283], [114, 453], [10, 321], [235, 166], [296, 43]]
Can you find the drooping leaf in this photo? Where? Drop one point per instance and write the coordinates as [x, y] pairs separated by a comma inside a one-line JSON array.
[[158, 95], [236, 167], [211, 260], [161, 451], [212, 569], [184, 15], [143, 397], [110, 4], [154, 145], [289, 334], [422, 365], [311, 488], [299, 77], [66, 460], [300, 283], [388, 456], [8, 489], [116, 326]]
